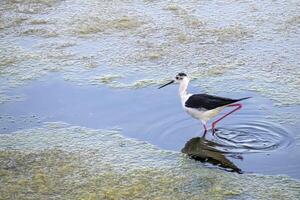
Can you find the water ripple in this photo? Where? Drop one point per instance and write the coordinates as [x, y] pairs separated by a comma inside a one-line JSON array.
[[257, 136]]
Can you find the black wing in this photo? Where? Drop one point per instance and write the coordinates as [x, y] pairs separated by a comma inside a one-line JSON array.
[[209, 102]]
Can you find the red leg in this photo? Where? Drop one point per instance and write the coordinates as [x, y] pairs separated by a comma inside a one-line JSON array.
[[238, 105]]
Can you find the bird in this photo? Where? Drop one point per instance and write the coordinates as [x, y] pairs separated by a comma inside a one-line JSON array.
[[203, 107]]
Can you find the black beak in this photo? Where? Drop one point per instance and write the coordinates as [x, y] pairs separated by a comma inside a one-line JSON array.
[[166, 84]]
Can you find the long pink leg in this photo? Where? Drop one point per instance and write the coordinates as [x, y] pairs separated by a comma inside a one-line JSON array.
[[238, 105]]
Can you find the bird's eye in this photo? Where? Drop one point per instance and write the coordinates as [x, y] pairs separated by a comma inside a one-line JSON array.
[[177, 77]]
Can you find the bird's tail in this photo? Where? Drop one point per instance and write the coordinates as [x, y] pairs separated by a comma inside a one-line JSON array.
[[243, 98]]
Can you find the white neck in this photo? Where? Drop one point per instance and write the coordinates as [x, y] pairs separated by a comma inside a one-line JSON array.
[[183, 86]]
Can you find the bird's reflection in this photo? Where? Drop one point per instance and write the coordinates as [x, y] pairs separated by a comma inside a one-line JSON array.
[[203, 150]]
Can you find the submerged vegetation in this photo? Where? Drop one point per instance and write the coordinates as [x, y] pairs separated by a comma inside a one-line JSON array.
[[253, 43], [68, 162]]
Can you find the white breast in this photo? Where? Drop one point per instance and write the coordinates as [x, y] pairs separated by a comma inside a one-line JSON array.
[[203, 115], [184, 98]]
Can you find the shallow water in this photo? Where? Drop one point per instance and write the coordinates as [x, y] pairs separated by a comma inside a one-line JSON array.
[[61, 161], [251, 140]]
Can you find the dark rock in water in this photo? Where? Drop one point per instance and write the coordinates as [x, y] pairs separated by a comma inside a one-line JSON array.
[[205, 151]]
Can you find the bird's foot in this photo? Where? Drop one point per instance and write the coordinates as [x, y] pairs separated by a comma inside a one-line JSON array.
[[214, 130]]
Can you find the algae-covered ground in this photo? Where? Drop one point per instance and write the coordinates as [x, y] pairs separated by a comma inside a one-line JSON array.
[[60, 161], [245, 45]]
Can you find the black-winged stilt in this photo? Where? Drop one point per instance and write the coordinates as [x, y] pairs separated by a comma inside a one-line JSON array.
[[203, 106]]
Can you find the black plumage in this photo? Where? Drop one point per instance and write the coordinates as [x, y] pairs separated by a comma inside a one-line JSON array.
[[209, 102], [181, 74]]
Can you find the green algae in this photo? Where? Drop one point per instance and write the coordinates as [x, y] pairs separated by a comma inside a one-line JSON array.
[[109, 79], [70, 162], [94, 24], [189, 20], [253, 42], [39, 32]]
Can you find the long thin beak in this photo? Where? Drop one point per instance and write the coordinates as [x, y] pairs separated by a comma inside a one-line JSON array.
[[166, 84]]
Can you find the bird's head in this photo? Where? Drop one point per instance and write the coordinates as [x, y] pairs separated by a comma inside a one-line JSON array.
[[178, 79]]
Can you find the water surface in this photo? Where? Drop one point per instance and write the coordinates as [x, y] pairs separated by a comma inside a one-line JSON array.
[[254, 142]]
